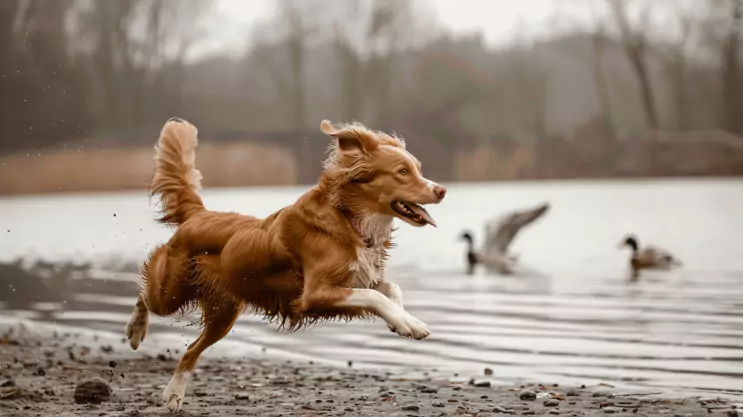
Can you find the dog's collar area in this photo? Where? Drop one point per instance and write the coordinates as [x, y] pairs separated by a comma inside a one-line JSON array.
[[353, 220]]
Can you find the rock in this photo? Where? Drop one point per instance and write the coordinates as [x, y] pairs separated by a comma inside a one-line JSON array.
[[488, 371], [411, 408], [499, 409], [93, 391], [482, 384], [606, 394], [551, 402], [611, 410], [112, 364], [527, 395], [573, 393], [429, 390], [40, 372], [438, 405], [242, 397]]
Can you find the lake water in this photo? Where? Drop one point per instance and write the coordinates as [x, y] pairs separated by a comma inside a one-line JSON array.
[[571, 315]]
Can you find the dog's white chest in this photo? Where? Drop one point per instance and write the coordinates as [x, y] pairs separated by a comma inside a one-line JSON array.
[[368, 268]]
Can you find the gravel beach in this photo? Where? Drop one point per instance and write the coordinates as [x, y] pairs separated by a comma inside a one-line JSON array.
[[59, 376]]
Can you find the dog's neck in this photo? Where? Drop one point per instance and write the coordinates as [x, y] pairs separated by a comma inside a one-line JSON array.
[[374, 229]]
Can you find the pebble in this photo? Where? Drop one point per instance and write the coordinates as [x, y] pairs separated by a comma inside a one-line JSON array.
[[112, 364], [93, 391], [527, 395], [499, 409], [411, 408], [242, 397], [429, 390], [482, 384], [573, 393], [488, 371], [606, 394], [610, 410], [551, 402]]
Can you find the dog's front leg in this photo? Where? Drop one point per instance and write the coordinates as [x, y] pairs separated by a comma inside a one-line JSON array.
[[398, 320], [394, 293], [391, 291], [326, 292], [372, 301]]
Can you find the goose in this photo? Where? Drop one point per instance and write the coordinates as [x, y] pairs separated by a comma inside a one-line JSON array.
[[651, 257], [499, 233]]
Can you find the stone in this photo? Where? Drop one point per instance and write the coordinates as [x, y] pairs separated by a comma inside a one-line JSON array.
[[93, 391], [527, 395]]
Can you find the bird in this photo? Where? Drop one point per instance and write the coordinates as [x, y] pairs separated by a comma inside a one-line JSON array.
[[499, 233], [650, 257]]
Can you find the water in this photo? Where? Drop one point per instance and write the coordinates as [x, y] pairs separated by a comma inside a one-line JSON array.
[[570, 316]]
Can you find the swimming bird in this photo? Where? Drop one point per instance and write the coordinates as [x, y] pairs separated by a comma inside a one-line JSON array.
[[499, 233], [648, 258]]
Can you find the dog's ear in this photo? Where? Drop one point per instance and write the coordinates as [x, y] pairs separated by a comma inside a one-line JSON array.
[[351, 139]]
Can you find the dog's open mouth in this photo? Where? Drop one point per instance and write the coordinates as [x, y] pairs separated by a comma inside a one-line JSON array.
[[413, 212]]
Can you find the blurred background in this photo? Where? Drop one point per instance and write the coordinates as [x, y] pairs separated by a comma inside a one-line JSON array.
[[592, 105], [482, 91]]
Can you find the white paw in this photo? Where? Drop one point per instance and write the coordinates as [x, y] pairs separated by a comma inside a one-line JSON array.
[[174, 393], [410, 326], [136, 329]]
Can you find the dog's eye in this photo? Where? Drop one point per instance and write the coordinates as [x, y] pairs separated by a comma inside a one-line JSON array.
[[403, 172]]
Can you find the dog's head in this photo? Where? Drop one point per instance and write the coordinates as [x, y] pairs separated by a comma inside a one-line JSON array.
[[372, 172]]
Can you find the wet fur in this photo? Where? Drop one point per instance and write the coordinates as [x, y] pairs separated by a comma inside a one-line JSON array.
[[298, 266]]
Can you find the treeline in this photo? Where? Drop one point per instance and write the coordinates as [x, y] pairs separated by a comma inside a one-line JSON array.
[[85, 73]]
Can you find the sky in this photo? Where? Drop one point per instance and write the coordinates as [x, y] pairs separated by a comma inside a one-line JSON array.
[[497, 20]]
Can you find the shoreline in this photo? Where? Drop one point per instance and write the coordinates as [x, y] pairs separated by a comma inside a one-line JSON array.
[[39, 374]]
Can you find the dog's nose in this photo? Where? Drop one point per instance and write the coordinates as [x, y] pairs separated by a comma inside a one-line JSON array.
[[440, 192]]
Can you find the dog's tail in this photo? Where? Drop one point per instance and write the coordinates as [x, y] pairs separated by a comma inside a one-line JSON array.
[[176, 178]]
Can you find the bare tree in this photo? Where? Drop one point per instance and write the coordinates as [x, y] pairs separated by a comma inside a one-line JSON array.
[[636, 47], [731, 69], [367, 36], [599, 39], [675, 56]]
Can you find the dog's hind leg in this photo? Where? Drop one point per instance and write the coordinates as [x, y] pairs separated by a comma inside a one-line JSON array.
[[165, 290], [218, 320], [136, 328], [220, 311]]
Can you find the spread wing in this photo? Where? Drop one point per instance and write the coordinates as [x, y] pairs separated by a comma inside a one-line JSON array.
[[500, 233]]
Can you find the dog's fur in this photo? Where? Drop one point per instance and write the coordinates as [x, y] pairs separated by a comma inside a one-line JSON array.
[[321, 258]]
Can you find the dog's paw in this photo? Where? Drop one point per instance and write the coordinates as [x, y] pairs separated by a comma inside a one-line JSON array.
[[410, 326], [174, 393], [136, 328], [174, 403]]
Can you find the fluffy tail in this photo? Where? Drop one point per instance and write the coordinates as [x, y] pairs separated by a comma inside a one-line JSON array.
[[176, 178]]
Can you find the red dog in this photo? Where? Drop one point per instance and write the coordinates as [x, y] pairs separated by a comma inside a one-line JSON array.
[[320, 258]]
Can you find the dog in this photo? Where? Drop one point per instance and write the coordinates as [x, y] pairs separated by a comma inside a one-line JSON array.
[[321, 258]]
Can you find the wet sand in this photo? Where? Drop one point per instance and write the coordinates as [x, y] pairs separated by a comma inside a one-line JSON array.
[[39, 376]]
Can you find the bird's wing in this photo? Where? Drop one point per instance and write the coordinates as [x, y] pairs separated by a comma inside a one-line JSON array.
[[659, 256], [500, 234]]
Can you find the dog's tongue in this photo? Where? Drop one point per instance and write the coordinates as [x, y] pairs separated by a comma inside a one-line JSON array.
[[424, 214]]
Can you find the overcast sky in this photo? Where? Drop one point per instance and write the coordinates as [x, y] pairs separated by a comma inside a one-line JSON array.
[[496, 20]]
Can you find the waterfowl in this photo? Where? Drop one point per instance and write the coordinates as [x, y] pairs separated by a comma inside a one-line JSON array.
[[649, 257], [499, 233]]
